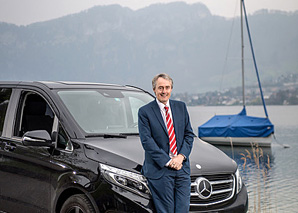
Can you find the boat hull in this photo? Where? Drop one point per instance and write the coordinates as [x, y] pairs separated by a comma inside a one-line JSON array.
[[239, 141]]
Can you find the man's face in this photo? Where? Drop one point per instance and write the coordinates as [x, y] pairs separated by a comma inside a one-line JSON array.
[[163, 90]]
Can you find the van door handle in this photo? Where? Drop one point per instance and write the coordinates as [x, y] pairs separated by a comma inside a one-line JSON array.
[[9, 147]]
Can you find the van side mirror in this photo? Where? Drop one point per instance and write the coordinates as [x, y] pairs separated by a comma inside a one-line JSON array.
[[37, 138]]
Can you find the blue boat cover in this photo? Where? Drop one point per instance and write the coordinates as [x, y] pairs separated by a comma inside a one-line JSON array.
[[239, 125]]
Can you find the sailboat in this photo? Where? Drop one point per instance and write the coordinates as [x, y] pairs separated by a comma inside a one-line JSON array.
[[240, 129]]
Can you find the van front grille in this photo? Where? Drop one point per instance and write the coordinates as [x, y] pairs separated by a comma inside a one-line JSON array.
[[211, 189]]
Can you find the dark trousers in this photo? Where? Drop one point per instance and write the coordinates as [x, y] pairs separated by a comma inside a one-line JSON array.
[[171, 193]]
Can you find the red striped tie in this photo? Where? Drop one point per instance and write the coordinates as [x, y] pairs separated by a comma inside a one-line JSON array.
[[171, 132]]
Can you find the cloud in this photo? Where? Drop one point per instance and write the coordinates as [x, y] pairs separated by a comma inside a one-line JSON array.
[[24, 12]]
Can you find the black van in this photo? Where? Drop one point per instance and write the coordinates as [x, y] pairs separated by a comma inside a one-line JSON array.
[[75, 147]]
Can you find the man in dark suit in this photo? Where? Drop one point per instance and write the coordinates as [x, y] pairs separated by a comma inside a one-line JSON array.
[[167, 139]]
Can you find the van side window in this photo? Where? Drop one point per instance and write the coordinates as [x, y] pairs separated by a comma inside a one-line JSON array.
[[4, 100], [35, 114]]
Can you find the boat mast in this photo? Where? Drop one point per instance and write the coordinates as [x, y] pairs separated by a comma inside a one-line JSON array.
[[242, 53], [254, 58]]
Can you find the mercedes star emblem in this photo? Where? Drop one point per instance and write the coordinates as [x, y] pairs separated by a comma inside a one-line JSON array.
[[204, 188]]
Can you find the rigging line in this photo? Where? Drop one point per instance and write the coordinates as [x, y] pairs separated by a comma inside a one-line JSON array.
[[227, 53], [242, 56], [254, 59], [283, 145]]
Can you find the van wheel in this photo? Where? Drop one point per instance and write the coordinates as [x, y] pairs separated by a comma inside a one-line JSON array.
[[78, 203]]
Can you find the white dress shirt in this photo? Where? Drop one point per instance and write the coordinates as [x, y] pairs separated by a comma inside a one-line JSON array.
[[163, 114], [163, 110]]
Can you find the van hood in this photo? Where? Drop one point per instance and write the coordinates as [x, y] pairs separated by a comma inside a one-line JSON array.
[[127, 153]]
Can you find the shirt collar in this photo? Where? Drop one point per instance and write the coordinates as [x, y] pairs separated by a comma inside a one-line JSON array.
[[161, 105]]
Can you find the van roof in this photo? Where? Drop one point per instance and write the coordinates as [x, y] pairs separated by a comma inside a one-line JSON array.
[[63, 84]]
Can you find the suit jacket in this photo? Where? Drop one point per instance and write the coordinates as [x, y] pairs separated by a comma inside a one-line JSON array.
[[155, 139]]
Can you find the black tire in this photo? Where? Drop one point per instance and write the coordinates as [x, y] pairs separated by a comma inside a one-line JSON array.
[[78, 203]]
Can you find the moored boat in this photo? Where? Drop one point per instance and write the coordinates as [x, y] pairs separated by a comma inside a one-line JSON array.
[[240, 129]]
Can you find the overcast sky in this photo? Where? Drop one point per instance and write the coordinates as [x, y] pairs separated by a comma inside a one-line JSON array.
[[24, 12]]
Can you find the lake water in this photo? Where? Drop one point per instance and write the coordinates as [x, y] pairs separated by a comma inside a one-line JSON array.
[[272, 180]]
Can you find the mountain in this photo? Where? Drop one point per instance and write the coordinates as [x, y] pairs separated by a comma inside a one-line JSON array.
[[115, 44]]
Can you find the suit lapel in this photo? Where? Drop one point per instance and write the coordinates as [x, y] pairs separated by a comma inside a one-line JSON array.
[[174, 113], [157, 112]]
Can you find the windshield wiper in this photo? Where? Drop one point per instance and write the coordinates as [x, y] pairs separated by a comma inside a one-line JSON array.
[[114, 136], [130, 134], [107, 135]]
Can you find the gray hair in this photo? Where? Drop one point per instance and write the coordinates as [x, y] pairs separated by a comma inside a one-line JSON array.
[[161, 75]]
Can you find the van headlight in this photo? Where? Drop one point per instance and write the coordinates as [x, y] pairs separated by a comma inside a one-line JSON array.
[[131, 181], [238, 181]]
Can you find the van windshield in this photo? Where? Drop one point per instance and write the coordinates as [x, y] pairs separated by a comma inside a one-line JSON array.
[[105, 111]]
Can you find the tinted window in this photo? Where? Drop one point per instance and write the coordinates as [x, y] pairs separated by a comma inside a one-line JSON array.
[[4, 100], [105, 111], [34, 114]]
